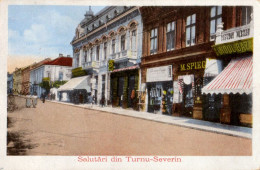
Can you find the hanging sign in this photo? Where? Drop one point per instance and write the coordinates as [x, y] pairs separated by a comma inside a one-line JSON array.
[[163, 73]]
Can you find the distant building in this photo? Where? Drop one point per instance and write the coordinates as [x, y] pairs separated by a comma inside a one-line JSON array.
[[17, 81], [26, 80], [9, 83], [58, 69], [107, 46]]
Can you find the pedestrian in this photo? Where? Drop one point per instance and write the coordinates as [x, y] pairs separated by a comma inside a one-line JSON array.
[[43, 97], [34, 100], [93, 100]]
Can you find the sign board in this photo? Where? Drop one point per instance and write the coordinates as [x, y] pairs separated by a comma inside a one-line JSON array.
[[163, 73], [193, 66]]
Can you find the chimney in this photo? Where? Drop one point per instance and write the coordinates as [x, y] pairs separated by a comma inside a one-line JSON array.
[[60, 55], [68, 55]]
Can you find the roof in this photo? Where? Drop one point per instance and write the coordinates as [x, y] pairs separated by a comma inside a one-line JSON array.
[[76, 83], [235, 78], [61, 61]]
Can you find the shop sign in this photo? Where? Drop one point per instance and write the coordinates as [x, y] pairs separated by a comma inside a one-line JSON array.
[[234, 47], [111, 65], [193, 66], [163, 73]]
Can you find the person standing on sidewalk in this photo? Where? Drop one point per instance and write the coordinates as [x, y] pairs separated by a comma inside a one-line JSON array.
[[43, 97], [34, 100]]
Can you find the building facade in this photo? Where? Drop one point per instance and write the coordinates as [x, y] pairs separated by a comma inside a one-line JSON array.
[[178, 59], [26, 80], [107, 46], [9, 83], [17, 81], [58, 69]]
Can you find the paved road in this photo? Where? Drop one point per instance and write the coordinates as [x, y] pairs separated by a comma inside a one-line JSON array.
[[56, 129]]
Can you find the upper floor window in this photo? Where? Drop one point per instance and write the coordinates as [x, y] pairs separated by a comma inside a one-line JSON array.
[[153, 41], [105, 50], [60, 76], [133, 40], [48, 74], [97, 52], [170, 36], [190, 30], [215, 19], [113, 46], [246, 14], [122, 42], [77, 60]]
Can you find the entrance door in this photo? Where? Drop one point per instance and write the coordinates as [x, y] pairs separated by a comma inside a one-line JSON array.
[[120, 89], [131, 87]]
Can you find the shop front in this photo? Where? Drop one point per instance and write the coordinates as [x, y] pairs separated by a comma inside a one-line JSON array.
[[188, 81], [124, 86], [159, 90]]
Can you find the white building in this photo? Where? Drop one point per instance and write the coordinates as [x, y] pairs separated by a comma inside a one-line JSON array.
[[115, 33], [58, 69]]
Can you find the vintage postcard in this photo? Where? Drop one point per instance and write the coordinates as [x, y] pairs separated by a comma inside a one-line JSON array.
[[129, 85]]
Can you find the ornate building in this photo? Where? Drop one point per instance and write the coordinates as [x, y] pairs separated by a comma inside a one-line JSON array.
[[178, 59], [107, 46]]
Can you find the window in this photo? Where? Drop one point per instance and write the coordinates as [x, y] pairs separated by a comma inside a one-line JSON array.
[[133, 40], [170, 36], [86, 56], [77, 60], [215, 19], [153, 41], [122, 42], [91, 54], [113, 46], [246, 15], [48, 74], [105, 50], [97, 52], [60, 76], [190, 30]]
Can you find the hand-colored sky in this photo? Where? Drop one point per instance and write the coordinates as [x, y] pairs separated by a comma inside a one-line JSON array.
[[42, 31]]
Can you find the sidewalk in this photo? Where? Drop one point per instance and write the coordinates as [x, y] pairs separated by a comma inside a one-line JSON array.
[[178, 121]]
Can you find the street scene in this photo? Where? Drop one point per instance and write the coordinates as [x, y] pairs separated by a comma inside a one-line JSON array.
[[130, 80], [57, 129]]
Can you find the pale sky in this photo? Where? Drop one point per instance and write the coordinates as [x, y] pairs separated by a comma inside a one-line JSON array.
[[36, 32]]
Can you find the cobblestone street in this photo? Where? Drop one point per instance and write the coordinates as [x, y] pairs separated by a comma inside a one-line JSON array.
[[57, 129]]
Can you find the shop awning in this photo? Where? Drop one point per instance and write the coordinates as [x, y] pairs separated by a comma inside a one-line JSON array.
[[76, 83], [126, 68], [235, 78]]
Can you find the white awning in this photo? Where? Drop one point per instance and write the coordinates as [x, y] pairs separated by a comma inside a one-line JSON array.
[[213, 67], [76, 83]]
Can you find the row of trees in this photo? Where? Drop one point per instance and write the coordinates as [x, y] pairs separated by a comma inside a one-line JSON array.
[[47, 84]]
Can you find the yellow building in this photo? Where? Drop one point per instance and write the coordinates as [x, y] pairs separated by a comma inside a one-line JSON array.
[[17, 80]]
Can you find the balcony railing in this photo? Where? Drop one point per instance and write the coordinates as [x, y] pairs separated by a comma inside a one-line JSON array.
[[234, 34], [124, 54]]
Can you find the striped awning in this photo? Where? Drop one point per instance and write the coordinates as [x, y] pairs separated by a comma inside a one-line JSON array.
[[235, 78]]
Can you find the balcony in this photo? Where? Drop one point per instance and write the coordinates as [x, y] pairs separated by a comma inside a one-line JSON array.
[[124, 55], [234, 34]]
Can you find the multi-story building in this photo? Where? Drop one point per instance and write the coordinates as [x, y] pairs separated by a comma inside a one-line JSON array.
[[58, 69], [17, 81], [26, 80], [178, 58], [234, 47], [9, 83], [36, 79], [107, 46]]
